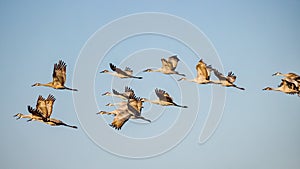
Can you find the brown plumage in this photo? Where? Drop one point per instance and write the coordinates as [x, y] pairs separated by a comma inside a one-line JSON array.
[[203, 73], [285, 87], [227, 81], [43, 112], [168, 66], [126, 73], [58, 77], [164, 99], [127, 92], [126, 110]]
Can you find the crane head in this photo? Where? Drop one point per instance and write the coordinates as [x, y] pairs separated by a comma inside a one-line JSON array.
[[36, 84], [106, 94], [19, 115], [104, 71], [276, 74], [148, 70]]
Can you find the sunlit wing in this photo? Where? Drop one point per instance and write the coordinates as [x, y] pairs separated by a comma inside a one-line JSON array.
[[201, 70], [49, 103], [34, 112], [219, 75], [231, 77], [59, 73], [128, 70], [118, 70], [41, 106], [162, 95], [166, 65], [120, 119], [174, 61]]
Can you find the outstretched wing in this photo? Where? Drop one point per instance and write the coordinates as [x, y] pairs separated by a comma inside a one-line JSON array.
[[41, 106], [34, 112], [120, 119], [290, 85], [128, 89], [219, 75], [174, 61], [163, 95], [202, 72], [135, 105], [166, 65], [128, 70], [126, 94], [231, 77], [118, 70], [59, 73], [49, 103]]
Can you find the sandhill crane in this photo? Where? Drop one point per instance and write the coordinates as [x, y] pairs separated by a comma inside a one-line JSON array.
[[52, 121], [126, 73], [285, 87], [42, 112], [168, 66], [290, 77], [126, 110], [227, 81], [58, 77], [203, 74], [128, 91], [164, 99]]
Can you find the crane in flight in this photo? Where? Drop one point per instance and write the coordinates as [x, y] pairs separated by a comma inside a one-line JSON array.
[[130, 109], [42, 112], [125, 95], [285, 87], [290, 77], [227, 81], [203, 74], [168, 66], [58, 77], [126, 73], [164, 99]]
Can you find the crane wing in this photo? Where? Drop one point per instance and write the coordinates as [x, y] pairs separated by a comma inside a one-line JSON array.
[[59, 73], [173, 60], [118, 70], [120, 119], [135, 105], [34, 112], [166, 65], [128, 89], [202, 72], [41, 106], [128, 70], [219, 75], [231, 77], [49, 104], [163, 95], [290, 85]]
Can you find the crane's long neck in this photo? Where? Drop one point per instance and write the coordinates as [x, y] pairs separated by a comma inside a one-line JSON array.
[[112, 73], [275, 89], [50, 84], [196, 80], [19, 116], [152, 101], [155, 70]]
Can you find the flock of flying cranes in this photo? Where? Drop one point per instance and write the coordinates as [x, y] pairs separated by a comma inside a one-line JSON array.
[[131, 106]]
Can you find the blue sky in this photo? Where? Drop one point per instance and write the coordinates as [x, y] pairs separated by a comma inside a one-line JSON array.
[[259, 129]]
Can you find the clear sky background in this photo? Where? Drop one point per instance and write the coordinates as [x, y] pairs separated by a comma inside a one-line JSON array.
[[259, 129]]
